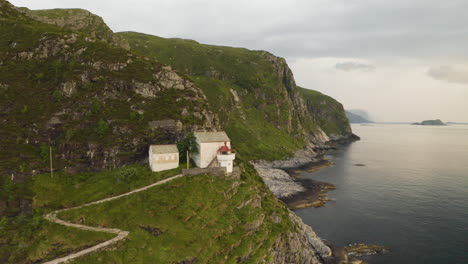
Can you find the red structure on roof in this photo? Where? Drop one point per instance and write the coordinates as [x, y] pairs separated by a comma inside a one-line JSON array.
[[224, 148]]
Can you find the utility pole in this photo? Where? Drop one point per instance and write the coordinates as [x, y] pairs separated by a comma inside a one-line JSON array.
[[188, 161], [51, 168]]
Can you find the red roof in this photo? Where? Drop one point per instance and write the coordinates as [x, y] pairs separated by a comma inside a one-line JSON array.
[[224, 148]]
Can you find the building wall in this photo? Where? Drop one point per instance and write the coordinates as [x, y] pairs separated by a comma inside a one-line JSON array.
[[226, 161], [166, 161], [207, 152]]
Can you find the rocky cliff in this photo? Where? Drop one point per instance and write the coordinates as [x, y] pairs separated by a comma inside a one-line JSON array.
[[67, 83], [254, 93], [96, 105], [78, 20]]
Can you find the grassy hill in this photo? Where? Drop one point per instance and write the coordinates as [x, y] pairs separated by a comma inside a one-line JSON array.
[[66, 84], [92, 102], [326, 112], [253, 92], [207, 218]]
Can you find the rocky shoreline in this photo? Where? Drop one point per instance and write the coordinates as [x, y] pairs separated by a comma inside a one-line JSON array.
[[282, 178]]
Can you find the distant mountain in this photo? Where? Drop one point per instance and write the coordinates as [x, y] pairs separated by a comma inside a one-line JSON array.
[[358, 116], [436, 122], [361, 113]]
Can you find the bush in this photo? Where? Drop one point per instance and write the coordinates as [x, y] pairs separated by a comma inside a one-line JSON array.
[[102, 128], [189, 143], [126, 175]]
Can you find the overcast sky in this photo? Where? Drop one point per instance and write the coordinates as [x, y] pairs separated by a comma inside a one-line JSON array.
[[401, 60]]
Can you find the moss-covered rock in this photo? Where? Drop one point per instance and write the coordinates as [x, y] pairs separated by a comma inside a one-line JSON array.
[[254, 93], [90, 101], [68, 87]]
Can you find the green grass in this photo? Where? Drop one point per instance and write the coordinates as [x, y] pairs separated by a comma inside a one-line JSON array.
[[26, 239], [250, 132], [326, 112], [35, 240], [75, 19], [76, 189], [260, 124], [102, 112], [201, 217]]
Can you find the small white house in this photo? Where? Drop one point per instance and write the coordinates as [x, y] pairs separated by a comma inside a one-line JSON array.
[[209, 144], [163, 157]]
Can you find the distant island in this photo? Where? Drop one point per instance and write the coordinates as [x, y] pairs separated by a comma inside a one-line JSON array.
[[358, 116], [436, 122]]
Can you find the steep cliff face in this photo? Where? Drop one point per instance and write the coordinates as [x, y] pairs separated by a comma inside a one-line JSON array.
[[96, 105], [254, 93], [66, 83], [300, 246], [327, 113]]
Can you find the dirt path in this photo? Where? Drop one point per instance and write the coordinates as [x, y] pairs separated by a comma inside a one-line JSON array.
[[121, 234]]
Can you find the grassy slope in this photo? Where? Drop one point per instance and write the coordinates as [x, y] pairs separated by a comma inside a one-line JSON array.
[[201, 217], [30, 94], [27, 239], [76, 189], [256, 124], [34, 240], [198, 218], [88, 22], [327, 113], [205, 217]]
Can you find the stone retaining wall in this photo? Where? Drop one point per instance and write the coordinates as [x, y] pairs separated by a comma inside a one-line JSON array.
[[215, 171]]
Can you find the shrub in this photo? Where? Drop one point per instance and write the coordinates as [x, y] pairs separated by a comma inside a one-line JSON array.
[[126, 175], [102, 128], [189, 143]]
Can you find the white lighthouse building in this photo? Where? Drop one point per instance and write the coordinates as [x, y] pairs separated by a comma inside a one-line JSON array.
[[214, 150], [226, 158]]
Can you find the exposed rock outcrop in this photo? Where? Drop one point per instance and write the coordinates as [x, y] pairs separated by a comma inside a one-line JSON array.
[[79, 20], [302, 246], [109, 123], [278, 181]]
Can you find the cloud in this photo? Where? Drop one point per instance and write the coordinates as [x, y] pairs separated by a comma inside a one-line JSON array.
[[354, 66], [319, 38], [295, 29], [449, 74]]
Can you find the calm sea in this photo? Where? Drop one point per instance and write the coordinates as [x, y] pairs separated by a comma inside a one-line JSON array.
[[412, 195]]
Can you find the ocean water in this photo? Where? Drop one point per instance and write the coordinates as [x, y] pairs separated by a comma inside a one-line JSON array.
[[412, 195]]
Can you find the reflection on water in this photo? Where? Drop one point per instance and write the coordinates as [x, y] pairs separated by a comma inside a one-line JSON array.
[[411, 195]]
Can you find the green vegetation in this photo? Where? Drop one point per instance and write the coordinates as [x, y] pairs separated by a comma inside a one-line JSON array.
[[248, 128], [199, 217], [30, 238], [102, 111], [71, 190], [77, 19], [189, 143], [212, 219], [262, 123], [326, 112], [68, 88]]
